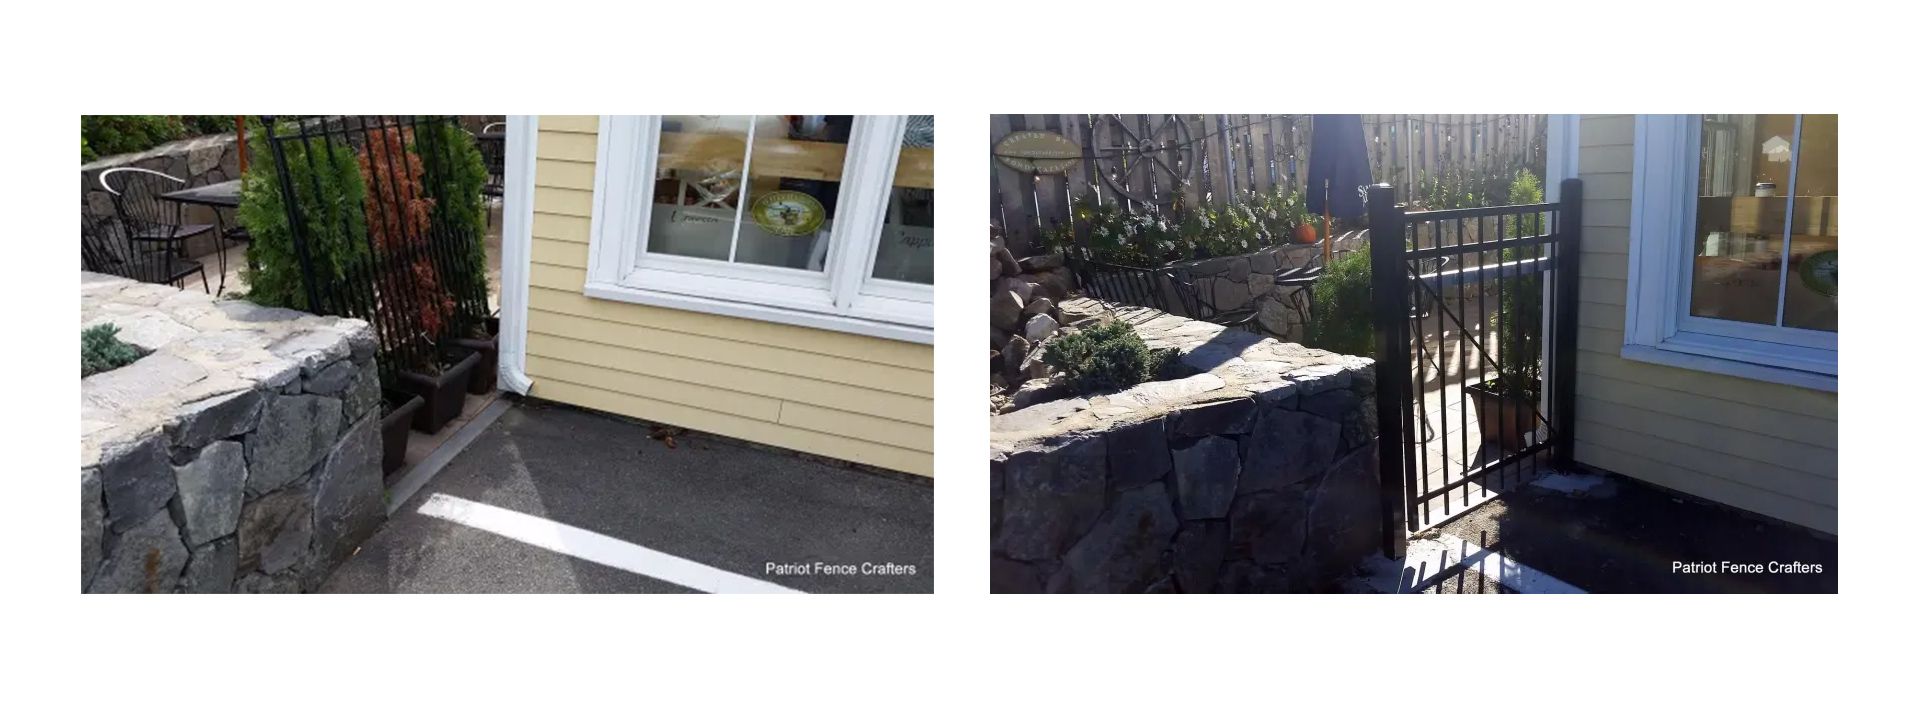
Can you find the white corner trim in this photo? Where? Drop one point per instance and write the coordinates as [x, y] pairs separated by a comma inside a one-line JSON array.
[[1563, 151], [516, 251]]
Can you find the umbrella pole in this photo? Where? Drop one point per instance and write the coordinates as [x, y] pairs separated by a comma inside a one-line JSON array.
[[1326, 224], [240, 135]]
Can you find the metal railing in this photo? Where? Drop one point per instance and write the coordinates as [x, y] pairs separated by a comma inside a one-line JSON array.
[[401, 260]]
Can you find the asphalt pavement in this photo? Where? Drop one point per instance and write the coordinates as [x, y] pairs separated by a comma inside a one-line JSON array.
[[603, 506]]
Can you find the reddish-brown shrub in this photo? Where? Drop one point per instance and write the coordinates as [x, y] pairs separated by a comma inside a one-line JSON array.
[[399, 215]]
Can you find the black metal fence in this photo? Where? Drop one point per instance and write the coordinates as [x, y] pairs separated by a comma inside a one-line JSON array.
[[410, 258], [1475, 312], [1173, 291]]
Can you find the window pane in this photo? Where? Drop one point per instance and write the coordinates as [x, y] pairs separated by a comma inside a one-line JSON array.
[[1813, 284], [1745, 161], [906, 240], [793, 187], [697, 185]]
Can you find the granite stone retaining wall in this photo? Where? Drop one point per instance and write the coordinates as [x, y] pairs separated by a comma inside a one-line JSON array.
[[1255, 473], [1233, 282], [240, 455]]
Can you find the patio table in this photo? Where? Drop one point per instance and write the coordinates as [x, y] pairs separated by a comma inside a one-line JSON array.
[[221, 196]]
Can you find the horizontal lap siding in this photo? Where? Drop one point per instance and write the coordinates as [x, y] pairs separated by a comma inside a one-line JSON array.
[[1763, 447], [843, 396]]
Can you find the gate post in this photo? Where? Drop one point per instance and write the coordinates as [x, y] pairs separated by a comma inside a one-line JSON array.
[[1386, 249], [1566, 326]]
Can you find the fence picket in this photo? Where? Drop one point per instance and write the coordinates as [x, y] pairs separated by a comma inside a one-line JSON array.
[[1229, 155]]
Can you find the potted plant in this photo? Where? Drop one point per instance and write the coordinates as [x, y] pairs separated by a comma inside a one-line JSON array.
[[399, 221], [485, 343], [454, 173], [397, 411], [444, 389], [1508, 404]]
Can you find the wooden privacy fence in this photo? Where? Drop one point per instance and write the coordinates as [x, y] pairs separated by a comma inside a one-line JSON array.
[[1143, 161]]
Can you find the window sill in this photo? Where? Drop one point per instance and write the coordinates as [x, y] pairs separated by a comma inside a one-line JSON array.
[[751, 311], [1731, 367]]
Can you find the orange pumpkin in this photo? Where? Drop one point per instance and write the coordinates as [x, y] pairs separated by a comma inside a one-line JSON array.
[[1304, 234]]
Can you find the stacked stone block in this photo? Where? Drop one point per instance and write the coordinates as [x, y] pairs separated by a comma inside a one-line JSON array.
[[1254, 473], [241, 454]]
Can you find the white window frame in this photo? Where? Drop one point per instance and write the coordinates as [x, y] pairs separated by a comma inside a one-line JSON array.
[[844, 297], [1659, 326]]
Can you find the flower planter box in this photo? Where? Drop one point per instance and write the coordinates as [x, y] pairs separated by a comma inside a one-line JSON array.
[[486, 375], [445, 393], [393, 429], [1504, 420]]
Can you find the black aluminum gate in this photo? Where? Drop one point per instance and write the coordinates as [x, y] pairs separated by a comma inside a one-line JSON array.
[[1475, 312]]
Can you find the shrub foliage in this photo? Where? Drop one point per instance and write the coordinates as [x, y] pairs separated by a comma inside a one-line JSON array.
[[1517, 322], [101, 350], [113, 135], [1182, 231], [1105, 357], [328, 186], [454, 173], [1342, 318], [400, 216]]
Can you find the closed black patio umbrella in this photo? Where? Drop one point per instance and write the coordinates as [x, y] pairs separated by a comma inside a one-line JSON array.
[[1337, 169]]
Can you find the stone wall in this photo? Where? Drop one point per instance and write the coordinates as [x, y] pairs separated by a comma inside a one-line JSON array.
[[201, 160], [1023, 314], [240, 454], [1255, 473], [1232, 282]]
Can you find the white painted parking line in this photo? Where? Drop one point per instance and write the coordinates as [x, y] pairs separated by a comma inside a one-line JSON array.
[[593, 546], [1429, 560]]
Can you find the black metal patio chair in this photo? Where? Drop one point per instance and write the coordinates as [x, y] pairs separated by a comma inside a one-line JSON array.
[[143, 216], [492, 142], [107, 248]]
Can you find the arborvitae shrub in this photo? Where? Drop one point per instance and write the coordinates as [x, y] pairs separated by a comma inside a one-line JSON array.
[[1517, 323], [101, 350], [1105, 357], [1342, 318], [454, 173], [332, 197]]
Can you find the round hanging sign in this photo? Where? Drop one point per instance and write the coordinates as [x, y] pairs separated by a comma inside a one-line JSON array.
[[788, 213], [1037, 152], [1821, 272]]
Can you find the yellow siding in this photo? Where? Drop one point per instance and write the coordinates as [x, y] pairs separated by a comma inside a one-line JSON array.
[[844, 396], [1768, 448]]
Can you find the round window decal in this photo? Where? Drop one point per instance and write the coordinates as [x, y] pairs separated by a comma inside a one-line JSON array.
[[1821, 272], [788, 213]]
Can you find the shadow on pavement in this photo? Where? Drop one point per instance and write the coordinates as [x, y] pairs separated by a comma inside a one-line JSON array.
[[1624, 536]]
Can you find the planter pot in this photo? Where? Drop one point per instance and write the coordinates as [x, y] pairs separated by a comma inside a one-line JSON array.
[[445, 393], [486, 375], [486, 371], [393, 430], [1505, 420]]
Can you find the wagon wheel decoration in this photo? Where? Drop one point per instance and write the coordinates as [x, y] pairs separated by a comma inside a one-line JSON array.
[[1121, 153]]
